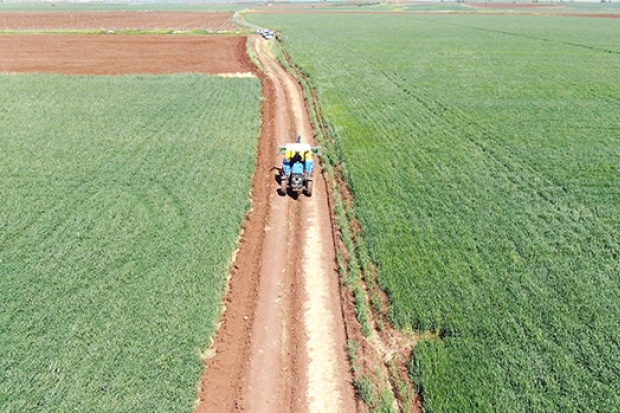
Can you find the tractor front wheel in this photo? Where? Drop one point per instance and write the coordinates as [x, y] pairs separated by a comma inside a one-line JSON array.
[[309, 188]]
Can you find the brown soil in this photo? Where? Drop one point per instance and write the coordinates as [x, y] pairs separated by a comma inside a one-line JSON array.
[[120, 54], [145, 20], [281, 347]]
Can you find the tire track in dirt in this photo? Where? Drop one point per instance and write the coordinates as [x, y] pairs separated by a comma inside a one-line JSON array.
[[281, 344]]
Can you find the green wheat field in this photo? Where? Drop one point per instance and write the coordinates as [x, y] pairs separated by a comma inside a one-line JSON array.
[[121, 200], [483, 152]]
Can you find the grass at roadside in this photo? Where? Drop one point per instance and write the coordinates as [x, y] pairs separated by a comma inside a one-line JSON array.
[[121, 199], [483, 155]]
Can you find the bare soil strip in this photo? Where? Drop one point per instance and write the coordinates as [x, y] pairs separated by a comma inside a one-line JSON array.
[[293, 357], [77, 54], [115, 21]]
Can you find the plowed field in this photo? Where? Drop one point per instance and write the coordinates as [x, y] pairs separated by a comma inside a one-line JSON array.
[[120, 54], [118, 21]]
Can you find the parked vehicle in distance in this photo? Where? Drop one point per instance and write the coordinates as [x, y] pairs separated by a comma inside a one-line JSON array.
[[265, 33]]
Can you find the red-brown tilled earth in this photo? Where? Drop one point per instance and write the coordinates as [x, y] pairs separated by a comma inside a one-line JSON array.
[[115, 21], [82, 54]]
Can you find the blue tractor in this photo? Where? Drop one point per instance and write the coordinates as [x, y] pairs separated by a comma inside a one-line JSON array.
[[297, 167]]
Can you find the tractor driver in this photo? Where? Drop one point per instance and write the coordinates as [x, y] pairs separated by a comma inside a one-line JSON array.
[[296, 158], [289, 159]]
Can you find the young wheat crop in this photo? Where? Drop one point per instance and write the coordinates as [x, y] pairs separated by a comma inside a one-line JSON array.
[[122, 199], [483, 154]]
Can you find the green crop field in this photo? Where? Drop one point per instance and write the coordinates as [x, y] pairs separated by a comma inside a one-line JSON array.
[[121, 200], [484, 156]]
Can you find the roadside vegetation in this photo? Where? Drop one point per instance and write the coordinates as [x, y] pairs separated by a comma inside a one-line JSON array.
[[121, 202], [482, 152]]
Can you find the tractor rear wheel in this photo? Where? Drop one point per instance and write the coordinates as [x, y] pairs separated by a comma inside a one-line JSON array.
[[283, 186], [309, 188]]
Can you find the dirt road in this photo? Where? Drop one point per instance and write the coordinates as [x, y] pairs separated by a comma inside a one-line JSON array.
[[281, 343]]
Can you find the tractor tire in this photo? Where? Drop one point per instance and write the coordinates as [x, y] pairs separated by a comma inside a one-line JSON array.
[[283, 186], [309, 188]]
